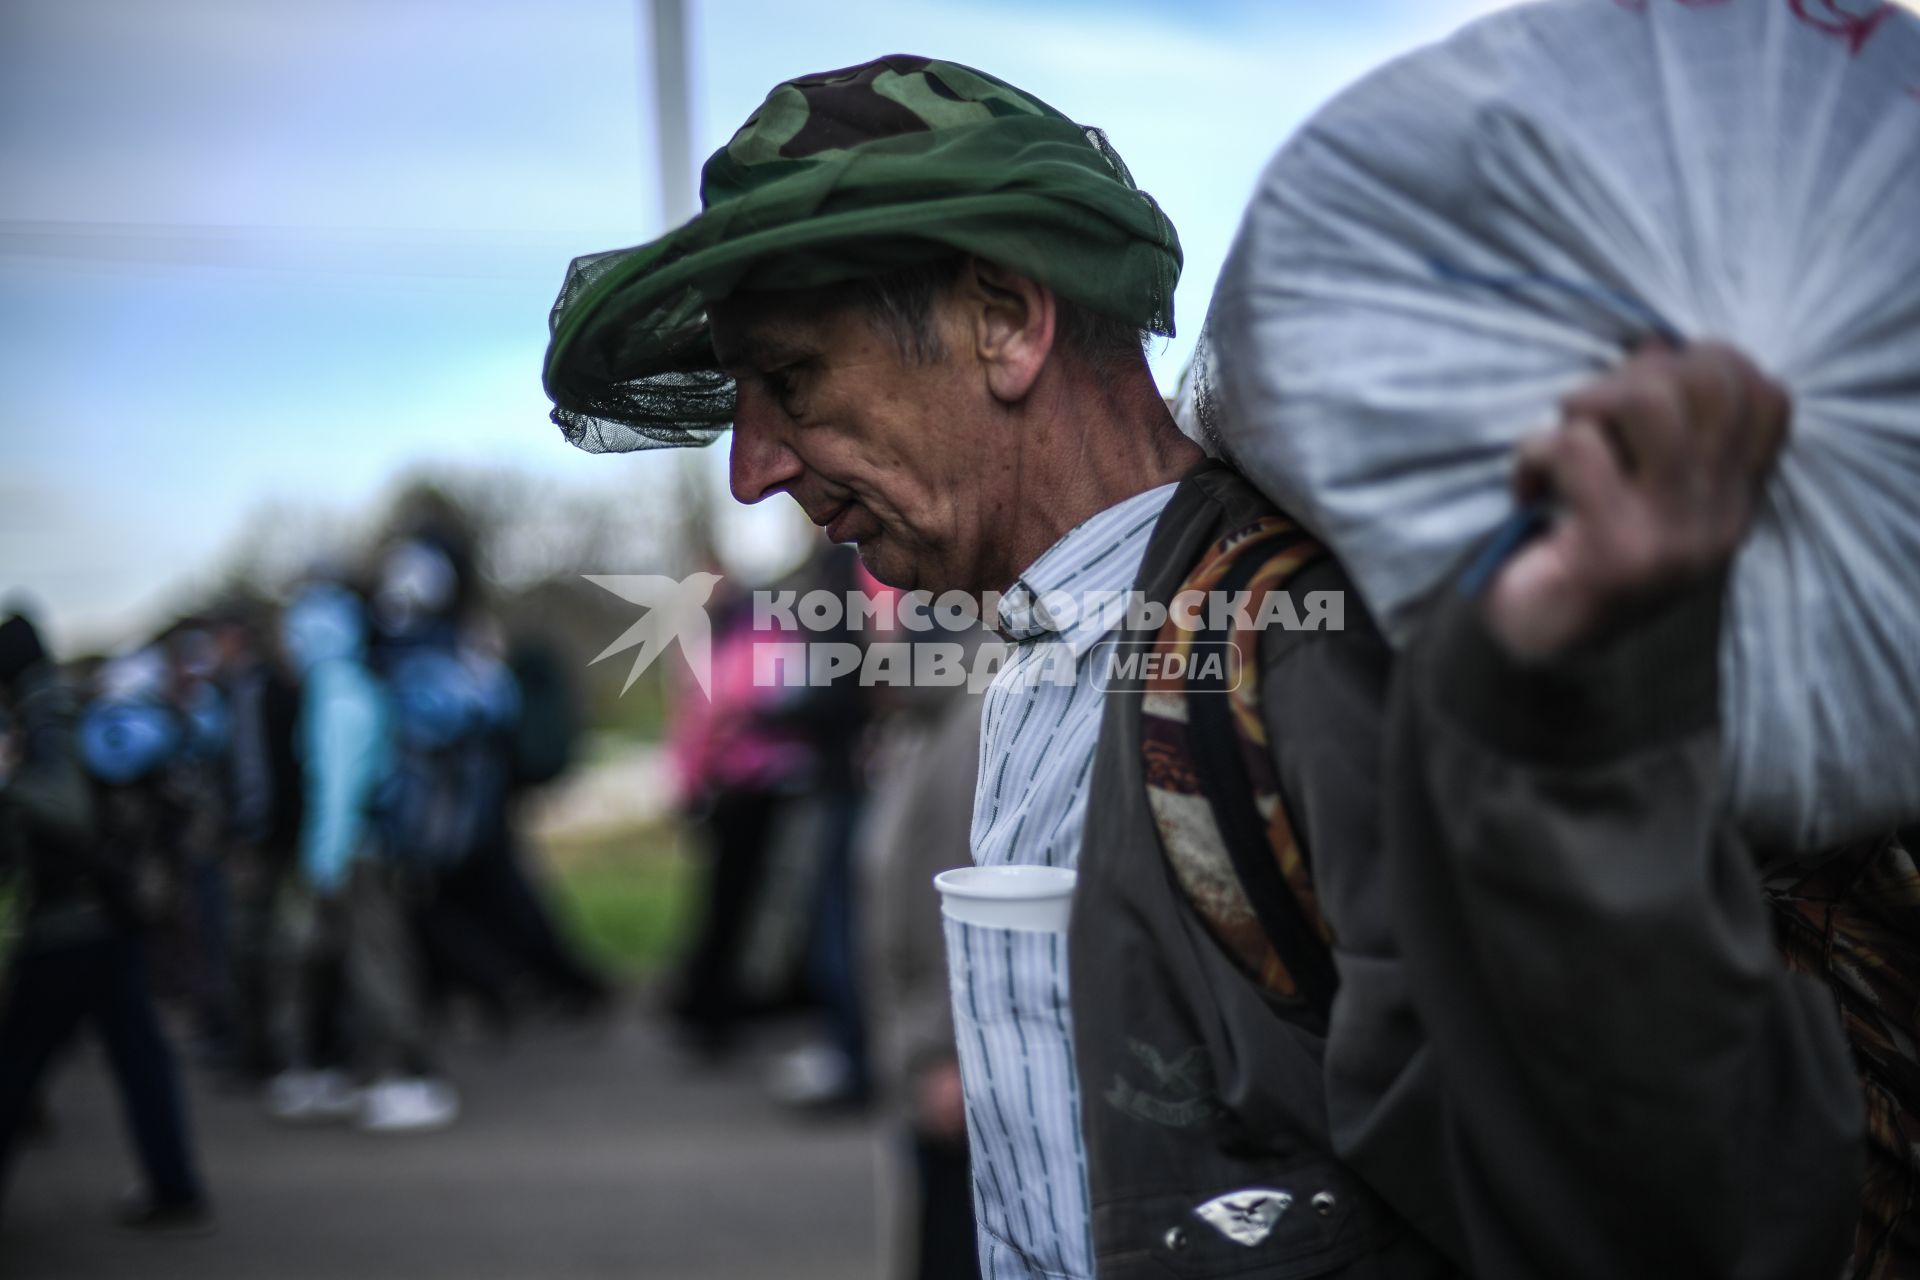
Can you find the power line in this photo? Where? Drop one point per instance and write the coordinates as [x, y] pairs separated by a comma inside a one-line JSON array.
[[473, 253]]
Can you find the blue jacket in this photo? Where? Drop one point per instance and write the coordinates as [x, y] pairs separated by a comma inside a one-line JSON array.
[[345, 732]]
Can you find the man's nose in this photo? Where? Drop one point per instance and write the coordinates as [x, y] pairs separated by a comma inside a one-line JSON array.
[[761, 463]]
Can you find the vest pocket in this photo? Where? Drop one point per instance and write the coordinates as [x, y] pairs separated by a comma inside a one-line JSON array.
[[1291, 1223]]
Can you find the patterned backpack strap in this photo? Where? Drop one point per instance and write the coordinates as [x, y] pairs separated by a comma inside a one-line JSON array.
[[1852, 919], [1210, 779]]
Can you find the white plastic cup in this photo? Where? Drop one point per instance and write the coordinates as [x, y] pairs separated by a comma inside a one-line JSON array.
[[1036, 899]]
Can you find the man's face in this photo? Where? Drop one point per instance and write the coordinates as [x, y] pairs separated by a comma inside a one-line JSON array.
[[882, 452]]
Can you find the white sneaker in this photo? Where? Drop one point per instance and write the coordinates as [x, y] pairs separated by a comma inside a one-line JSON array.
[[417, 1105], [814, 1075], [311, 1097]]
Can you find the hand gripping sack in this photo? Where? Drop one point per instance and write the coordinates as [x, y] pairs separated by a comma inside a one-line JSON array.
[[1477, 228]]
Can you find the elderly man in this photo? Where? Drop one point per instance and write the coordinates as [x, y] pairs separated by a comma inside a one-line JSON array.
[[919, 297]]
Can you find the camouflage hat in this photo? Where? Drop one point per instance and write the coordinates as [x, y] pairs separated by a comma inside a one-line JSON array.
[[837, 176]]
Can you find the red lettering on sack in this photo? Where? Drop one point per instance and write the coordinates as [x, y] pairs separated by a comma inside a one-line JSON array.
[[1855, 28]]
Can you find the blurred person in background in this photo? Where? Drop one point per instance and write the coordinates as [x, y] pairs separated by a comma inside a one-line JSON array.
[[345, 920], [832, 717], [738, 768], [543, 746], [135, 744], [445, 792], [448, 808], [262, 790], [919, 818], [81, 958], [202, 927]]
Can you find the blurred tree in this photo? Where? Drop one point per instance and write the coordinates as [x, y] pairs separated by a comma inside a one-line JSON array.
[[532, 538], [280, 542]]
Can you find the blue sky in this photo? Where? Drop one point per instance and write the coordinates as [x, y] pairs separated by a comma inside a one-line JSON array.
[[255, 250]]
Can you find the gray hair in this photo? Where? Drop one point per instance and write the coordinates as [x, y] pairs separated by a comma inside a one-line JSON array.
[[899, 303]]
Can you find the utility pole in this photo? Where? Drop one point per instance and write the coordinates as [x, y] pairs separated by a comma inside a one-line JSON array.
[[671, 112], [673, 135]]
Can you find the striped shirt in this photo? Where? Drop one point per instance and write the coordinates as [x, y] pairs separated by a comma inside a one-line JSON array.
[[1041, 722]]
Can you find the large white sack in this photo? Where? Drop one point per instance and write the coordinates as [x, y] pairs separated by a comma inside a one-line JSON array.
[[1475, 229]]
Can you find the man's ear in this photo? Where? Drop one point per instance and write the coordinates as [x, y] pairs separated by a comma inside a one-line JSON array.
[[1013, 322]]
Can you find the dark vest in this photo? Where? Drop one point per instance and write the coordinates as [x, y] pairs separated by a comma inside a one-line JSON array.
[[1202, 1105]]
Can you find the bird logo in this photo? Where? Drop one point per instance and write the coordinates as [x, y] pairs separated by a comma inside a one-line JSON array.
[[676, 610], [1246, 1217]]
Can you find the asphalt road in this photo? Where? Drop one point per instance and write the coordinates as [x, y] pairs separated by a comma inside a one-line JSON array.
[[580, 1154]]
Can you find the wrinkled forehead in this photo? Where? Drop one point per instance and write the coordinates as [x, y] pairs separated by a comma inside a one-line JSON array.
[[747, 328], [760, 330]]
